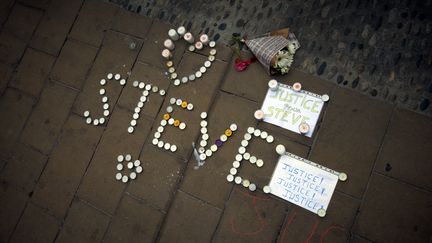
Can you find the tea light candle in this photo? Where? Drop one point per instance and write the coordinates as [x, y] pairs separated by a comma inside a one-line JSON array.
[[280, 149], [304, 128], [166, 54], [181, 30], [189, 37], [259, 115], [199, 45], [273, 85], [172, 33], [297, 86], [169, 44], [204, 39]]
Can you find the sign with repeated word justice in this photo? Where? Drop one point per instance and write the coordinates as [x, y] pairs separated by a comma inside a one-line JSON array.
[[301, 182], [288, 108]]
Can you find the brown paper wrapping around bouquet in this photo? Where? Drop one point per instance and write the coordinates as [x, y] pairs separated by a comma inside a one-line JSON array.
[[282, 32], [267, 46]]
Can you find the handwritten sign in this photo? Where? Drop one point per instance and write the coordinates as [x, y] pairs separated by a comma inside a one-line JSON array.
[[301, 182], [288, 108]]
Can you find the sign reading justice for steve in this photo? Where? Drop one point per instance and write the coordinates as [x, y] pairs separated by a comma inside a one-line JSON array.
[[288, 108]]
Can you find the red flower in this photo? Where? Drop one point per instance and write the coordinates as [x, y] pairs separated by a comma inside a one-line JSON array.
[[241, 65]]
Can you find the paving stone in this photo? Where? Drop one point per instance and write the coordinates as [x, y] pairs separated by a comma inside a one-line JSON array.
[[204, 88], [22, 21], [23, 168], [55, 25], [99, 185], [224, 53], [5, 75], [32, 72], [130, 95], [12, 204], [189, 220], [42, 4], [406, 148], [158, 180], [359, 239], [133, 222], [301, 225], [35, 226], [93, 20], [350, 137], [15, 107], [131, 23], [5, 7], [311, 84], [11, 49], [62, 175], [73, 64], [251, 83], [114, 57], [250, 217], [393, 211], [153, 46], [214, 187], [83, 224], [48, 117]]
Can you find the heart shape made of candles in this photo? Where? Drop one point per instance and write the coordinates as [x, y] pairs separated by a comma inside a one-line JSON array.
[[180, 33]]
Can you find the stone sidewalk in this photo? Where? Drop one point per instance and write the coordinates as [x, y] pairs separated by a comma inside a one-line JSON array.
[[58, 174]]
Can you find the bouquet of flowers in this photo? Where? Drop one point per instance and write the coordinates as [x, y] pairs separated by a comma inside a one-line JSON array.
[[274, 50], [283, 60]]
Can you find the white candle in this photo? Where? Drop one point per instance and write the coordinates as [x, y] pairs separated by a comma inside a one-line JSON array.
[[181, 30], [259, 115], [297, 86], [304, 128], [204, 39], [172, 33], [273, 85], [189, 37], [169, 44], [199, 45], [166, 54], [280, 149]]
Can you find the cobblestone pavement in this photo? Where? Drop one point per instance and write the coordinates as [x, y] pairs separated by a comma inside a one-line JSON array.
[[380, 48], [57, 173]]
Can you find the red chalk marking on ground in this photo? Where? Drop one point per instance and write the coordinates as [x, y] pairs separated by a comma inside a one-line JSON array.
[[327, 231], [323, 235], [290, 220], [260, 220], [312, 232]]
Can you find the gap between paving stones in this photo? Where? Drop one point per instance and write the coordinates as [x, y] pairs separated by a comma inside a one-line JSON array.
[[142, 148], [190, 157]]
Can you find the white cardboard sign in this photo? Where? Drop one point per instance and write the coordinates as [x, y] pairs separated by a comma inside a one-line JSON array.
[[288, 108], [303, 182]]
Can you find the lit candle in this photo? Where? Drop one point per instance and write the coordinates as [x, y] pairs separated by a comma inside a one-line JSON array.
[[166, 54], [189, 37], [181, 30], [259, 115], [172, 33], [204, 39], [199, 45], [169, 44]]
